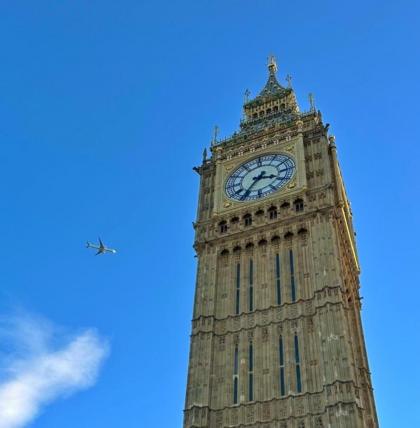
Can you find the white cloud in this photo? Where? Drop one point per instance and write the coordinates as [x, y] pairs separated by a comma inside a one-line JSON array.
[[39, 363]]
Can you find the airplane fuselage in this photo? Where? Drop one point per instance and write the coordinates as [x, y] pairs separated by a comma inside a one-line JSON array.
[[101, 248]]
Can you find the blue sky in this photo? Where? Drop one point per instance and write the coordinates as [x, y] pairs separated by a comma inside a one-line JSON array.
[[105, 107]]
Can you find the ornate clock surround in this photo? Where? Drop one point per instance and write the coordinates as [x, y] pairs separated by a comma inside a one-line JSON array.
[[290, 146]]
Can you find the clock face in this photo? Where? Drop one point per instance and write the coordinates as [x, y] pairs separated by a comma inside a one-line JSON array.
[[260, 177]]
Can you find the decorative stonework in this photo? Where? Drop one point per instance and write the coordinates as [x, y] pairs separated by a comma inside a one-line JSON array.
[[303, 284]]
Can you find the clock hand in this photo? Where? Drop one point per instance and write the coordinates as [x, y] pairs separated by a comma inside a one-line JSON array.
[[259, 177], [264, 176], [256, 179], [248, 191], [245, 195]]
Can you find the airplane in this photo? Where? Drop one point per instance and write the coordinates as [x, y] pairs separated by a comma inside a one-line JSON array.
[[102, 249]]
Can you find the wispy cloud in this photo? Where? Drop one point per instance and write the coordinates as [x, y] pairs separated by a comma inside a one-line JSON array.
[[40, 363]]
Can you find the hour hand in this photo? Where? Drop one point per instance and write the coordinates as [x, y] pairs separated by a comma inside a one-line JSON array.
[[259, 176]]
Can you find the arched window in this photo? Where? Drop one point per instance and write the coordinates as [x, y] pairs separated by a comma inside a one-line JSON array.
[[247, 219], [268, 111], [288, 235], [272, 213], [255, 115], [237, 249], [298, 205], [234, 220], [259, 213], [224, 252], [249, 246], [302, 231], [262, 242], [276, 108], [223, 227], [275, 239], [285, 205]]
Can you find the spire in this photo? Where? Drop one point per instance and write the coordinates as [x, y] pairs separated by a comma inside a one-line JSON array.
[[272, 65], [312, 101], [215, 134], [272, 87], [274, 103], [247, 93]]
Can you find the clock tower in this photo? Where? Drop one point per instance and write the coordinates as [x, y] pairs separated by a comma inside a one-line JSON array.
[[277, 339]]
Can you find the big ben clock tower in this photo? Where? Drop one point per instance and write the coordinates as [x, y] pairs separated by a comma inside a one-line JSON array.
[[277, 339]]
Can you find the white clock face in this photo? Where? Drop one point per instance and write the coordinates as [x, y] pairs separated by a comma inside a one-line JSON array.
[[260, 177]]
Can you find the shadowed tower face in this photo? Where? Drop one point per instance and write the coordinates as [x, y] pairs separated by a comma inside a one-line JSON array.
[[277, 340]]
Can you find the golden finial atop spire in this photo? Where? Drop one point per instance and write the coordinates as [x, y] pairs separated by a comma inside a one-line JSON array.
[[272, 64]]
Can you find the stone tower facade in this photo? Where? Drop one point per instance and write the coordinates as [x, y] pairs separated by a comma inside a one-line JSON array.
[[277, 339]]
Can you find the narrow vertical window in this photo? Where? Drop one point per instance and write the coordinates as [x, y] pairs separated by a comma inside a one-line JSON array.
[[250, 372], [298, 205], [247, 219], [236, 360], [297, 362], [235, 375], [272, 213], [238, 288], [223, 227], [235, 390], [251, 286], [292, 276], [278, 289], [281, 361]]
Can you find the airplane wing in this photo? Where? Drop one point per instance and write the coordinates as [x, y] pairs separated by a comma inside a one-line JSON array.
[[100, 242], [99, 252]]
